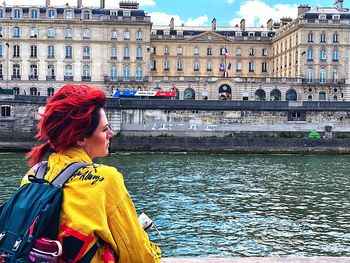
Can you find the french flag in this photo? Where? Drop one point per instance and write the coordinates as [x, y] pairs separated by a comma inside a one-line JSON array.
[[225, 52]]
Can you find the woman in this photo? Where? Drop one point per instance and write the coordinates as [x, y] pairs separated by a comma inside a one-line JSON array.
[[96, 203]]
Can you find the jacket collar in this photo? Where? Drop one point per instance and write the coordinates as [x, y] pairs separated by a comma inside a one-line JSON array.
[[76, 153]]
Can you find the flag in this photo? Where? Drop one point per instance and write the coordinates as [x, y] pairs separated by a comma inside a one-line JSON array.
[[225, 74], [226, 53], [229, 66], [222, 66]]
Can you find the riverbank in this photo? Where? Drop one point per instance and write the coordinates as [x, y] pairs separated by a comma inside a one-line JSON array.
[[212, 145], [259, 260]]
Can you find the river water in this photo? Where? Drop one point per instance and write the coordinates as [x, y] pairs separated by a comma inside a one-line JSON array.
[[233, 205]]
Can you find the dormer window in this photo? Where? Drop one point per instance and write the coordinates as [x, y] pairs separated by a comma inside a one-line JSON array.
[[336, 17], [126, 13], [33, 13], [69, 14], [1, 13], [180, 33], [166, 32], [16, 13], [154, 32], [86, 15], [51, 13], [322, 17], [251, 34]]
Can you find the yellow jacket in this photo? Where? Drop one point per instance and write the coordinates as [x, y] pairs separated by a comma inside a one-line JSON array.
[[97, 204]]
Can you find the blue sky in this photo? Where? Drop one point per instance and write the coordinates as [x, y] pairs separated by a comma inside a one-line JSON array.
[[201, 12]]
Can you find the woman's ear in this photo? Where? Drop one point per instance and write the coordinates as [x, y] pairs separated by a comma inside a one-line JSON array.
[[81, 143]]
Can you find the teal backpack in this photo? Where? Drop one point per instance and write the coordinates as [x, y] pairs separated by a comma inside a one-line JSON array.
[[33, 212]]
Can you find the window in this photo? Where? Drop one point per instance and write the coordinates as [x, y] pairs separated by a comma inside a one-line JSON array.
[[69, 52], [69, 14], [322, 55], [335, 38], [322, 75], [114, 72], [166, 65], [15, 91], [50, 91], [86, 33], [86, 52], [126, 53], [322, 96], [33, 72], [114, 35], [5, 111], [238, 52], [33, 51], [1, 72], [126, 73], [16, 71], [322, 17], [68, 70], [126, 13], [335, 75], [166, 51], [0, 51], [16, 13], [323, 37], [264, 52], [86, 15], [50, 32], [86, 71], [239, 67], [126, 35], [68, 33], [209, 66], [335, 55], [51, 13], [1, 13], [153, 64], [251, 66], [196, 51], [264, 67], [309, 76], [16, 32], [50, 72], [179, 51], [139, 35], [50, 51], [1, 31], [179, 65], [251, 52], [33, 32], [310, 37], [33, 13], [33, 91], [139, 53], [209, 51], [196, 66], [138, 73], [113, 53], [310, 55], [16, 51]]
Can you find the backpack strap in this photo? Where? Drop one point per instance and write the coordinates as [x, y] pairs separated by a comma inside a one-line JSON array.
[[90, 254], [40, 169], [67, 173]]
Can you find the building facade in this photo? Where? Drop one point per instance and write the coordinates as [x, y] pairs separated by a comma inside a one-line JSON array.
[[45, 47]]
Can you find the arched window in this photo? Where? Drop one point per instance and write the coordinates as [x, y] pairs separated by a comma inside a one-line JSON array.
[[310, 37], [260, 95], [16, 32], [291, 94], [335, 37], [86, 71], [275, 95], [15, 91], [114, 73], [69, 14], [322, 96], [309, 98], [33, 91], [33, 13], [189, 94], [323, 37], [51, 13], [50, 91], [225, 92]]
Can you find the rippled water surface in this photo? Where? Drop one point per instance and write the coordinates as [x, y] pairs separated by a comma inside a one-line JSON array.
[[233, 205]]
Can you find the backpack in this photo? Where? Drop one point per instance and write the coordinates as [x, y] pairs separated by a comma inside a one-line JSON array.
[[33, 212]]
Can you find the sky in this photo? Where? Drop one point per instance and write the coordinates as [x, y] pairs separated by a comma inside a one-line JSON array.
[[228, 13]]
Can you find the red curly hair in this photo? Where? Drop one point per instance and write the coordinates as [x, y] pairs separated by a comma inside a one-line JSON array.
[[70, 115]]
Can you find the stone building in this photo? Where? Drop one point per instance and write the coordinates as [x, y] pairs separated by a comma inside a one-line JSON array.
[[45, 47]]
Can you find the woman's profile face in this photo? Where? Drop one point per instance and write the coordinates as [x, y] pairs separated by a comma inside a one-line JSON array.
[[97, 144]]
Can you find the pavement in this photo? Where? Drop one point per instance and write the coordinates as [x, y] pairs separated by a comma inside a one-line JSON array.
[[260, 260]]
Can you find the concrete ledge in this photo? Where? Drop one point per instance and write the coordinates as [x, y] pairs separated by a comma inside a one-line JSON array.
[[260, 260]]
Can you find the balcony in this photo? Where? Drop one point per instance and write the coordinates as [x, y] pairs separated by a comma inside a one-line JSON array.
[[86, 78], [126, 58], [68, 78], [114, 79], [332, 82], [15, 77], [33, 77], [139, 58], [51, 77], [86, 57]]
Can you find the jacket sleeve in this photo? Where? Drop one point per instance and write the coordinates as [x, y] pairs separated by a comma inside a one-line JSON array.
[[131, 242]]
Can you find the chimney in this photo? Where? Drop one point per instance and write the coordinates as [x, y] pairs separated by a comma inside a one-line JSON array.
[[213, 24], [339, 5], [172, 25], [269, 24], [242, 24], [303, 9], [128, 5], [48, 3], [79, 3], [285, 20], [102, 4]]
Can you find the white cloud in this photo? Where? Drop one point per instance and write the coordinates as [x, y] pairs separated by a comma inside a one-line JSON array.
[[256, 12], [199, 21]]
